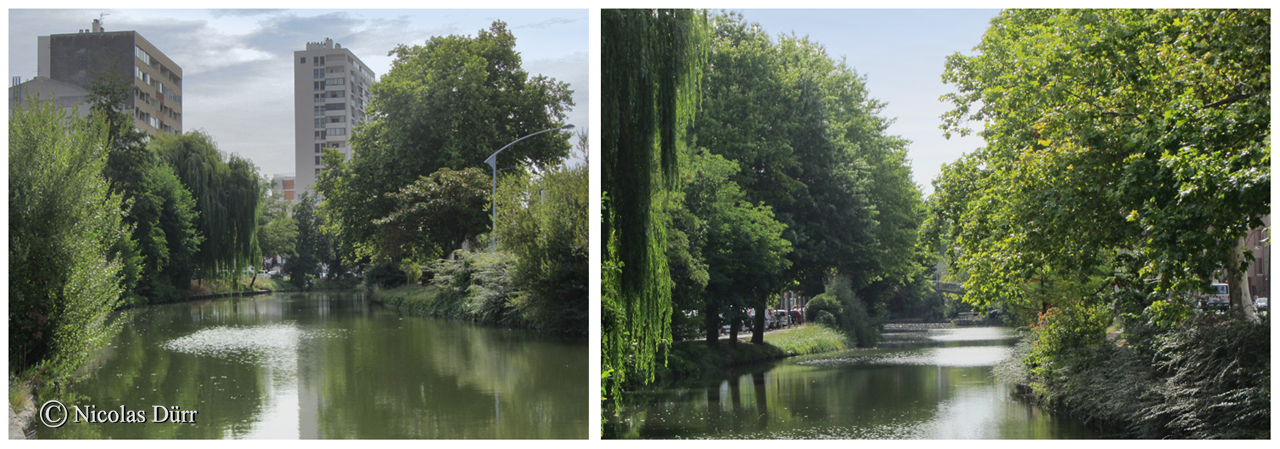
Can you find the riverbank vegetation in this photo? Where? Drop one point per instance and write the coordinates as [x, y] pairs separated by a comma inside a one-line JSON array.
[[106, 217], [417, 189], [1127, 158], [698, 360], [713, 206]]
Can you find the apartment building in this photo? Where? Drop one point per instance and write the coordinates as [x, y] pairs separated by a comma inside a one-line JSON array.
[[282, 186], [74, 59], [331, 90], [69, 98]]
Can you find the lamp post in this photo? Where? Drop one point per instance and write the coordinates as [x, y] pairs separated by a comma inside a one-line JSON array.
[[493, 162]]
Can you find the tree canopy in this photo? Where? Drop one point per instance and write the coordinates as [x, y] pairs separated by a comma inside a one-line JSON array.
[[447, 104], [813, 146], [227, 192], [650, 91], [435, 214], [1132, 134]]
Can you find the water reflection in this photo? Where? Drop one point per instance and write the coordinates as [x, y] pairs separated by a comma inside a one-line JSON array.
[[938, 388], [333, 366]]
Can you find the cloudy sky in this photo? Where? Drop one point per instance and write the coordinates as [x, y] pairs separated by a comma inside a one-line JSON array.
[[237, 70]]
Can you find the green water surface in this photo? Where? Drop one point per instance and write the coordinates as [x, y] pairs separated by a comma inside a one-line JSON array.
[[329, 365], [922, 385]]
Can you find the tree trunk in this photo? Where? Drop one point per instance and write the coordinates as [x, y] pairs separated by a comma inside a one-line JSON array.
[[734, 323], [757, 334], [1238, 283], [711, 324]]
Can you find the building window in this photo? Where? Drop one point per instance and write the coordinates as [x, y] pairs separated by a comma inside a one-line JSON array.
[[317, 171], [317, 73], [334, 107], [318, 85], [335, 81], [142, 54], [337, 119], [317, 160], [317, 61], [320, 122], [318, 148], [319, 98], [320, 135], [304, 59], [337, 93], [319, 110], [337, 131]]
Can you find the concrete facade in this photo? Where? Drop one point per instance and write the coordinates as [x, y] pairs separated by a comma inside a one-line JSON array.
[[68, 98], [331, 91], [77, 58], [283, 186]]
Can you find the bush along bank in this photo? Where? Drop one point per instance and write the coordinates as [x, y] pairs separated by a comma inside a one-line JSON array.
[[1208, 376], [477, 287]]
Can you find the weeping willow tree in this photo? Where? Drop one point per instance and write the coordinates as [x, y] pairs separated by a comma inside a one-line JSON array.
[[226, 189], [652, 63]]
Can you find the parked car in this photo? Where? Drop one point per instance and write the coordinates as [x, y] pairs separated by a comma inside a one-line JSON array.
[[751, 319], [781, 319], [1261, 304], [1216, 297]]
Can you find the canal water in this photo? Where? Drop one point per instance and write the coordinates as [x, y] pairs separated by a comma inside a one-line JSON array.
[[329, 365], [934, 384]]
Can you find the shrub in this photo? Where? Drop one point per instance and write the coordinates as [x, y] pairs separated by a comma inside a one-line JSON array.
[[847, 312], [386, 275], [64, 280], [547, 232], [1218, 382], [1064, 333], [478, 286]]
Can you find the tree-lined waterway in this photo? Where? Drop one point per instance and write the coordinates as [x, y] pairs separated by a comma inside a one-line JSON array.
[[916, 385], [331, 365]]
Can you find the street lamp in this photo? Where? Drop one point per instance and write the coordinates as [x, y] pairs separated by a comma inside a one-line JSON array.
[[493, 162]]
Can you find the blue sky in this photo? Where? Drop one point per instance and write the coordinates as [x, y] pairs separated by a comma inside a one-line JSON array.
[[902, 54], [238, 76]]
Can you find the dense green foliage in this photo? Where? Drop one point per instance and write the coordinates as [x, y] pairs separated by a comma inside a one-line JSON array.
[[1128, 154], [157, 256], [706, 220], [1207, 377], [1138, 135], [447, 104], [737, 245], [277, 229], [840, 308], [478, 287], [311, 244], [227, 191], [819, 156], [650, 88], [543, 223], [64, 277], [435, 214]]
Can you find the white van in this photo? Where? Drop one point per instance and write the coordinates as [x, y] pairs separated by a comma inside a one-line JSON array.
[[1217, 297]]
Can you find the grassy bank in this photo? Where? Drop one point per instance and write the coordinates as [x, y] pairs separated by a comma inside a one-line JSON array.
[[695, 359]]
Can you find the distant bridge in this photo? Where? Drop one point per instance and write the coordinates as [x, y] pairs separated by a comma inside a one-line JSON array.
[[949, 287]]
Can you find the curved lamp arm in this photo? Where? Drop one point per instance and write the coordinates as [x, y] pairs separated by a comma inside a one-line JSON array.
[[493, 162]]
